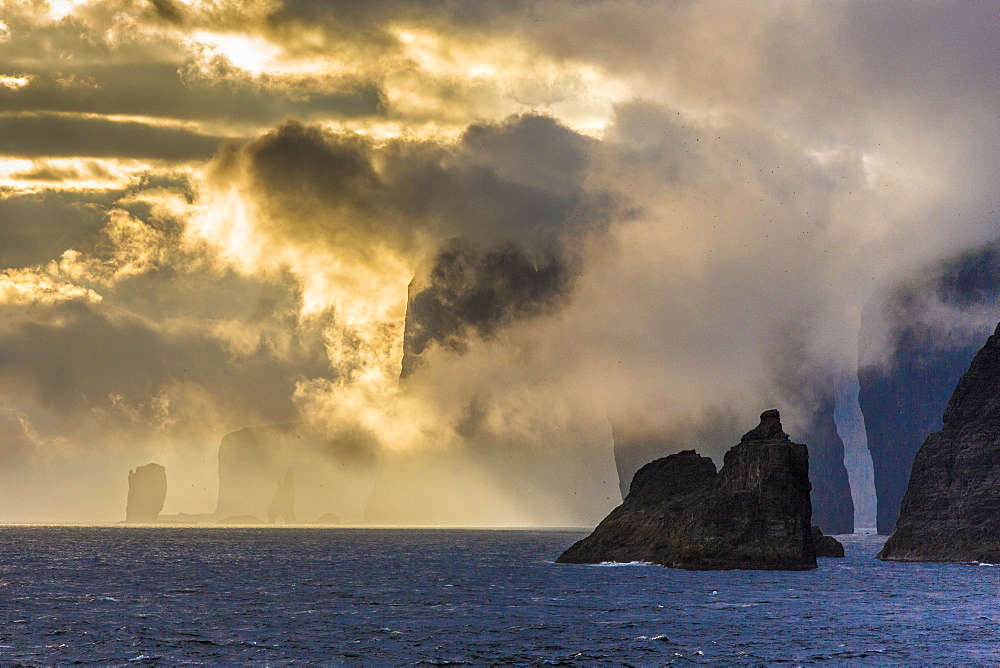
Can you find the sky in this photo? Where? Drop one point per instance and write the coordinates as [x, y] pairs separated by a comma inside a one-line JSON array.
[[213, 214]]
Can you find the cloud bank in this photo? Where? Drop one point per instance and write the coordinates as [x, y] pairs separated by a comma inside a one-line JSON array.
[[549, 218]]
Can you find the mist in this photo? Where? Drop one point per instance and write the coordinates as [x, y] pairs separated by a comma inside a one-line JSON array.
[[467, 249]]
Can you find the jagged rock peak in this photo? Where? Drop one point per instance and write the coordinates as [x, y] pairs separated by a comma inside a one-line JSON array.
[[976, 398], [769, 428], [680, 512]]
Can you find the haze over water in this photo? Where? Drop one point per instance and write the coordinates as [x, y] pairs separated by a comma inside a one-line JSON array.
[[363, 597], [666, 217]]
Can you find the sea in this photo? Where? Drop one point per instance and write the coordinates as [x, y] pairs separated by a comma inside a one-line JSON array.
[[370, 597]]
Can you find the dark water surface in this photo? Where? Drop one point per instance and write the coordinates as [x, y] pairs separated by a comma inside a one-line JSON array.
[[373, 597]]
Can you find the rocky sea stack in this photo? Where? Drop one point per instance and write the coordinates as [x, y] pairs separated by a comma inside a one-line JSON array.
[[147, 490], [826, 546], [949, 511], [755, 513]]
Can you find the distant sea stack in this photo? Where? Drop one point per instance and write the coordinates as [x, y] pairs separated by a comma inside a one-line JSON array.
[[753, 514], [252, 463], [950, 509], [147, 489]]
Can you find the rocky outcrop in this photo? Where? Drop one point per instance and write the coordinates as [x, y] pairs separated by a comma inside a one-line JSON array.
[[833, 508], [752, 514], [949, 511], [147, 489], [902, 403], [826, 546]]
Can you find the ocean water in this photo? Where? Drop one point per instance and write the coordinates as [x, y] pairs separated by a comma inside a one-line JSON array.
[[124, 595]]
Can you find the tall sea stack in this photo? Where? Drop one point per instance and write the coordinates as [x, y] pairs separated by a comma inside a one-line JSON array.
[[252, 463], [147, 490], [949, 511], [753, 514]]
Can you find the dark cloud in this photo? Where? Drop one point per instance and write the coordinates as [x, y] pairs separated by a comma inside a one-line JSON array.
[[469, 293], [80, 361], [169, 11], [521, 181], [38, 227], [46, 135], [159, 80]]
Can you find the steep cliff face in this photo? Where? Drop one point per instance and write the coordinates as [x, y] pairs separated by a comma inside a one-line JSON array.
[[902, 398], [753, 514], [291, 472], [833, 507], [949, 511], [902, 403], [147, 490]]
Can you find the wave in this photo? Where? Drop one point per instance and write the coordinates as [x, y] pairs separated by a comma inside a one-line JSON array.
[[613, 564]]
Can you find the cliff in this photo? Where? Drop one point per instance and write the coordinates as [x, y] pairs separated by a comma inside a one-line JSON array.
[[752, 514], [147, 489], [902, 398], [833, 507], [949, 511], [902, 403]]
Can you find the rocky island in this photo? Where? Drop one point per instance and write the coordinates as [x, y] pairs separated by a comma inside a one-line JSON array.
[[949, 511], [147, 490], [754, 513]]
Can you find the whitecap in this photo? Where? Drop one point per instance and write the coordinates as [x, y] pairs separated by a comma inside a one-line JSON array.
[[613, 564]]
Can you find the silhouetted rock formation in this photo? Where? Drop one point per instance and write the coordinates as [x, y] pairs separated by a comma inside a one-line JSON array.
[[949, 511], [637, 443], [753, 514], [826, 546], [147, 489], [903, 399], [252, 462], [833, 507], [286, 471], [283, 504]]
